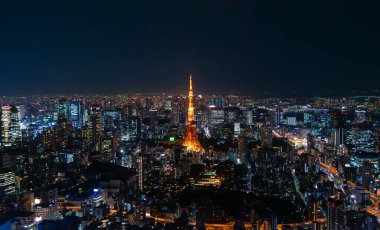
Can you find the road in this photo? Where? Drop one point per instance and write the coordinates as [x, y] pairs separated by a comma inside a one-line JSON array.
[[372, 209]]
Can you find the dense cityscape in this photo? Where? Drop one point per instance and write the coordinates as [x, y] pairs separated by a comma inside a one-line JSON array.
[[183, 161], [189, 115]]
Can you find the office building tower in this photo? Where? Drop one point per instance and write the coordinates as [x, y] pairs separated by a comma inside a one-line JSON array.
[[273, 221], [62, 107], [278, 115], [85, 117], [339, 136], [75, 114], [363, 139], [95, 123], [338, 118], [218, 102], [46, 211], [350, 173], [62, 130], [153, 118], [367, 173], [127, 112], [360, 116], [168, 105], [10, 125], [339, 127], [266, 136], [334, 213], [142, 172], [135, 126], [7, 182], [292, 121], [216, 116], [111, 119], [248, 117]]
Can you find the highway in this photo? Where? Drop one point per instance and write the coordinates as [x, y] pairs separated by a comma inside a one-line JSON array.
[[372, 209]]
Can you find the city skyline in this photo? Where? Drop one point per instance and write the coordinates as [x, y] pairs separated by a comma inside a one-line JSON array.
[[296, 48], [137, 162], [179, 115]]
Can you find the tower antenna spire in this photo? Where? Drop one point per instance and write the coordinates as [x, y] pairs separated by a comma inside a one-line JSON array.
[[191, 81]]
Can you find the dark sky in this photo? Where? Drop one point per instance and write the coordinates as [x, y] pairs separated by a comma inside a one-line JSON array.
[[150, 46]]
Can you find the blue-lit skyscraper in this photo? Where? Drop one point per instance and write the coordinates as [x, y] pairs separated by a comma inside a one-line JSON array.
[[75, 114]]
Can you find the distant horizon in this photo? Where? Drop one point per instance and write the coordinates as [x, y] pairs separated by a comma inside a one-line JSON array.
[[255, 95]]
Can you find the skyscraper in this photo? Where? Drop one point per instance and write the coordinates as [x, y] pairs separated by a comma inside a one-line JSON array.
[[95, 123], [140, 173], [62, 130], [334, 212], [10, 125], [75, 114], [339, 125], [367, 173], [62, 107], [7, 181], [360, 116], [191, 141], [339, 136]]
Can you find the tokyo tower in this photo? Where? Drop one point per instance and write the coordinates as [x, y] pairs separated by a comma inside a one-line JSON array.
[[191, 141]]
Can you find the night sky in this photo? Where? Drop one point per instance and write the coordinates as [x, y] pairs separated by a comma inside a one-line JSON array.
[[244, 47]]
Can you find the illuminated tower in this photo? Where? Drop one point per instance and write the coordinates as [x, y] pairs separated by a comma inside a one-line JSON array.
[[10, 125], [191, 141]]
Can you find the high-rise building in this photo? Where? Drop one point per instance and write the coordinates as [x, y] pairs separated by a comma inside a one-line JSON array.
[[140, 176], [7, 182], [216, 116], [62, 107], [338, 118], [367, 173], [339, 127], [248, 117], [153, 117], [237, 129], [46, 211], [292, 121], [135, 127], [75, 114], [266, 136], [278, 115], [275, 117], [191, 141], [10, 125], [273, 221], [363, 139], [95, 123], [317, 225], [360, 116], [218, 102], [312, 209], [62, 130], [350, 173], [111, 118], [339, 137], [334, 213], [168, 105]]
